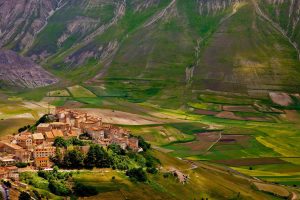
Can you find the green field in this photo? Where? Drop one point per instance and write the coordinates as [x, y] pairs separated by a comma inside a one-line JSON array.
[[78, 91]]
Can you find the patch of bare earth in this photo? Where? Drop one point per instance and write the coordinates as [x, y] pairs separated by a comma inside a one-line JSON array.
[[119, 117], [228, 115], [205, 112], [281, 98], [292, 115], [231, 115], [204, 141], [239, 108]]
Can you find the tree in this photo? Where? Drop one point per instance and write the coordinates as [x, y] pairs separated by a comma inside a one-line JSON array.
[[58, 188], [90, 159], [151, 170], [21, 165], [117, 149], [58, 158], [143, 144], [137, 174], [24, 196], [60, 142], [73, 159], [102, 158], [76, 142], [97, 157], [55, 170]]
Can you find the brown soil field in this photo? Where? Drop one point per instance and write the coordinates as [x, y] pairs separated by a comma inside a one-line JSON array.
[[203, 141], [250, 161], [73, 104], [228, 115], [281, 98], [205, 112], [231, 115], [119, 117], [239, 108], [258, 119], [292, 115], [241, 139]]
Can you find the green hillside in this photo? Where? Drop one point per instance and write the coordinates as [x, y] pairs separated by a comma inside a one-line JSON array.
[[170, 48]]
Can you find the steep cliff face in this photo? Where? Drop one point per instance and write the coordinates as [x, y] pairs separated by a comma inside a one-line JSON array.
[[18, 71], [21, 20]]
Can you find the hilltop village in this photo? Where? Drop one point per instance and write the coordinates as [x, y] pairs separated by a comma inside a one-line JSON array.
[[36, 147]]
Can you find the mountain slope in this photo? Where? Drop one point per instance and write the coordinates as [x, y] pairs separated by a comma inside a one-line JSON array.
[[248, 54], [286, 15], [166, 48], [21, 20], [18, 71]]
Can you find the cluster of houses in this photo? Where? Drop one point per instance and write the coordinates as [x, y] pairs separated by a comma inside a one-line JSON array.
[[37, 148]]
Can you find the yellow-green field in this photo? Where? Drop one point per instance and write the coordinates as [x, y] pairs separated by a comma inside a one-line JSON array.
[[78, 91], [58, 93]]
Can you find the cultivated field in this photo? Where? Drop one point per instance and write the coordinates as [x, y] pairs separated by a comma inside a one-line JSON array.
[[78, 91]]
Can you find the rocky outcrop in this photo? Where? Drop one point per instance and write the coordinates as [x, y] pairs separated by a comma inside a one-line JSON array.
[[22, 72], [21, 20], [211, 7], [139, 5]]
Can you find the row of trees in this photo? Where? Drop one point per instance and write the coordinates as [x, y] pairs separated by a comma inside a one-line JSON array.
[[61, 142], [73, 159]]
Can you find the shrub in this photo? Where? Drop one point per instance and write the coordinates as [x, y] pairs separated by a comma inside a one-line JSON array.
[[137, 174], [152, 170], [21, 165], [24, 196], [58, 188], [60, 142], [37, 195], [117, 149], [84, 190], [7, 184], [143, 144], [166, 175]]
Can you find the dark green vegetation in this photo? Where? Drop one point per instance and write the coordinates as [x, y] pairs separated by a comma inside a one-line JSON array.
[[24, 196], [99, 157]]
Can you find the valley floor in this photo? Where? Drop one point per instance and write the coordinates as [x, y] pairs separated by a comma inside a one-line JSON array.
[[247, 144]]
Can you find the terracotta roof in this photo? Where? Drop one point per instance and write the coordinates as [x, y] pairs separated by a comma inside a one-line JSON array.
[[57, 133], [49, 135], [38, 136], [12, 168], [41, 158], [23, 137], [43, 125], [58, 123], [26, 133], [13, 146], [72, 133]]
